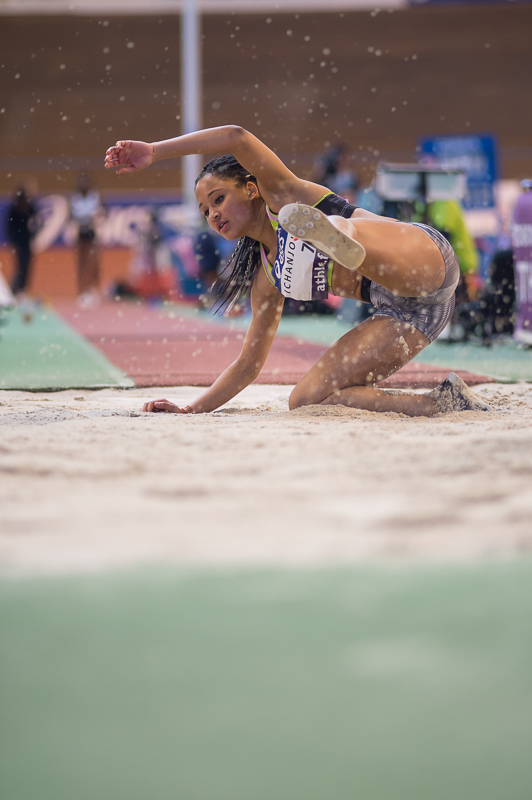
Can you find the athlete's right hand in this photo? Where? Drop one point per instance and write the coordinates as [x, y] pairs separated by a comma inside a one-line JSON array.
[[128, 156], [164, 406]]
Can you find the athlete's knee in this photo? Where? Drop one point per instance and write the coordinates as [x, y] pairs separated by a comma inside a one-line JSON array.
[[305, 396], [295, 400], [300, 397]]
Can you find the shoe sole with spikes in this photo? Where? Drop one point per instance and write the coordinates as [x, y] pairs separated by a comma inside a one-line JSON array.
[[311, 225]]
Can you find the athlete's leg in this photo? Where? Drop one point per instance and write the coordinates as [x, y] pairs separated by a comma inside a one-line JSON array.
[[398, 256], [347, 372]]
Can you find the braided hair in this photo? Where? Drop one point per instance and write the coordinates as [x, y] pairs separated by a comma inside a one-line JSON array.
[[244, 262]]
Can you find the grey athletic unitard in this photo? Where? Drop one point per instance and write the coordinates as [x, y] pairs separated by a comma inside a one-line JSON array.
[[428, 314]]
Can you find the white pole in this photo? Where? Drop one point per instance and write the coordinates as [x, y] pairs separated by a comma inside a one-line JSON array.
[[190, 91]]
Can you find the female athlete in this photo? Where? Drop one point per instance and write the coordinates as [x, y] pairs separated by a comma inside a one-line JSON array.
[[297, 239]]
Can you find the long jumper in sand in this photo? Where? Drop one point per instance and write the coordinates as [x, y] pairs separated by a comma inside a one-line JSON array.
[[298, 239]]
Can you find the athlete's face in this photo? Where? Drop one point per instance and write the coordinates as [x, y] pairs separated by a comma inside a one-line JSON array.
[[227, 206]]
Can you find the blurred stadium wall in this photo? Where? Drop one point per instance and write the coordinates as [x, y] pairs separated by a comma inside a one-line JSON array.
[[73, 83]]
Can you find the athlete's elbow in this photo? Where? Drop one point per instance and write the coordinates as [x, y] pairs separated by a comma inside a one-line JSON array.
[[249, 369], [237, 135]]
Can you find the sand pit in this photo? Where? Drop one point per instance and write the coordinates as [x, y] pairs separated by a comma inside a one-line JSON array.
[[88, 482]]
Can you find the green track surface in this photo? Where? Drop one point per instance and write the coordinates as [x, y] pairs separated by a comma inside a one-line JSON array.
[[506, 361], [371, 683], [46, 354]]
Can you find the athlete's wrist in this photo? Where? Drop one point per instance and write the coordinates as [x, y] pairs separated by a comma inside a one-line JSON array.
[[167, 148]]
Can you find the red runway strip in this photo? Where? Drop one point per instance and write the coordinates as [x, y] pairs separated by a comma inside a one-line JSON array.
[[157, 348]]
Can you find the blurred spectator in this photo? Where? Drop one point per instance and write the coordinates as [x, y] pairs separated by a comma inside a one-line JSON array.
[[150, 273], [22, 224], [152, 277], [86, 209], [333, 169], [501, 290], [208, 256], [492, 313]]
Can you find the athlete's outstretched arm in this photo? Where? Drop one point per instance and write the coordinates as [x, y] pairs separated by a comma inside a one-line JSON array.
[[132, 156], [277, 183], [266, 304]]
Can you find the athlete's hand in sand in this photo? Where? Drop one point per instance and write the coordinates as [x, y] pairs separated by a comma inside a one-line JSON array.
[[163, 405], [128, 156]]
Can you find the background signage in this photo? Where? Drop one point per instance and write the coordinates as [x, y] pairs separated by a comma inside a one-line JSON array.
[[476, 155]]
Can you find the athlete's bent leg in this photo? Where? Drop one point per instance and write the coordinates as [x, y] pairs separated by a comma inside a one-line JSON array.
[[347, 373]]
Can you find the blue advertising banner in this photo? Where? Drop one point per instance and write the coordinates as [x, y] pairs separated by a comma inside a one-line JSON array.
[[475, 154]]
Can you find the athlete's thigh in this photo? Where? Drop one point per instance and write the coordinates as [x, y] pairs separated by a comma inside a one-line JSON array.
[[364, 356], [399, 256]]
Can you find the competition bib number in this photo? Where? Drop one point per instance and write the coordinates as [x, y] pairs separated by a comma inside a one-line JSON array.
[[300, 271]]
